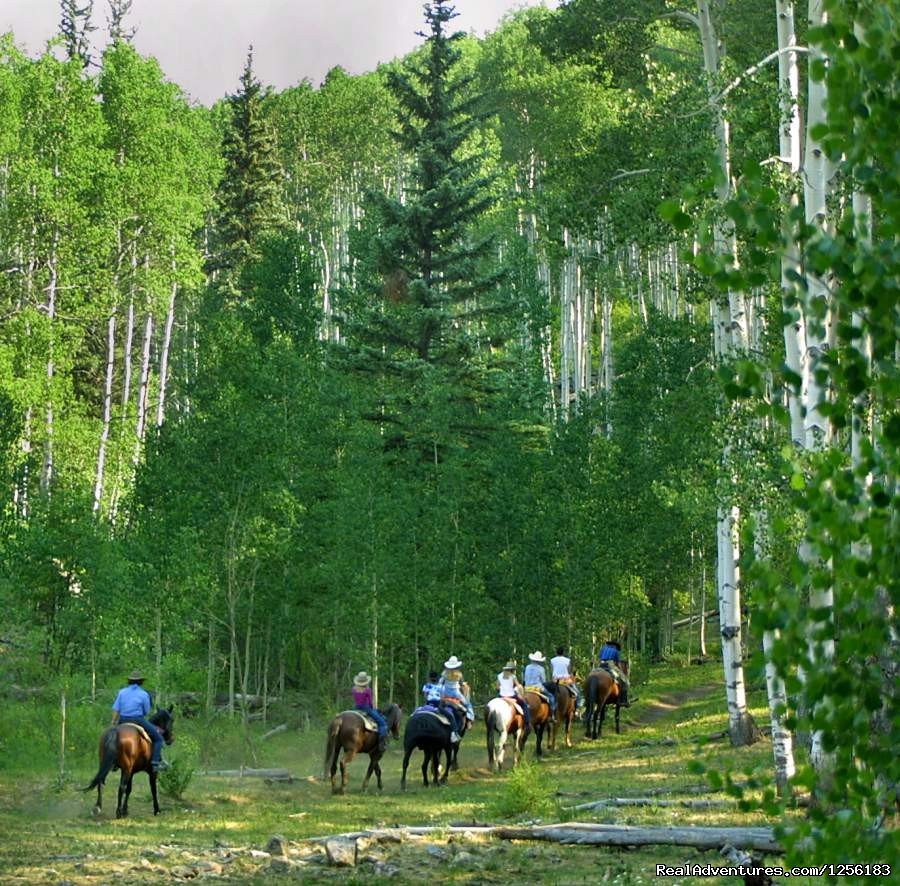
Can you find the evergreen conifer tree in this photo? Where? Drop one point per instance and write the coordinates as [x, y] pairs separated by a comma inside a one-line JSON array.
[[250, 193], [428, 337]]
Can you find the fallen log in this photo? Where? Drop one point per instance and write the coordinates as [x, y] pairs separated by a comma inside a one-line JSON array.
[[246, 772], [280, 728], [650, 801], [589, 834]]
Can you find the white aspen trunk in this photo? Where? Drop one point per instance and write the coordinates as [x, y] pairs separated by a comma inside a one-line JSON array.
[[730, 335], [47, 468], [816, 184], [141, 424], [164, 356], [126, 391], [107, 410], [702, 605], [375, 665], [782, 739]]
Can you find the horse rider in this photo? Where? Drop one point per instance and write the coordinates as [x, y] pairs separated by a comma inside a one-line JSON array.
[[610, 658], [561, 671], [433, 690], [451, 690], [535, 678], [362, 701], [509, 687], [132, 705]]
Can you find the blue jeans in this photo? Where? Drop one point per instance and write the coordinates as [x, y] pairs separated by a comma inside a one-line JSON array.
[[152, 731], [378, 717]]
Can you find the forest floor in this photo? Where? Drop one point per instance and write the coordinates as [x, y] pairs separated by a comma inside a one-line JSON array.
[[220, 830]]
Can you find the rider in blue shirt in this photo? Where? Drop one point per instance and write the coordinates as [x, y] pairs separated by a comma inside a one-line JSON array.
[[132, 705], [611, 657]]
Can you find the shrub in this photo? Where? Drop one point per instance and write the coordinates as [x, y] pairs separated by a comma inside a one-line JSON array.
[[526, 791]]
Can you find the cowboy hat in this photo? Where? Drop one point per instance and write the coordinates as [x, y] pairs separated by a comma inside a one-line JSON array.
[[509, 666], [452, 663], [362, 679], [135, 677], [537, 656]]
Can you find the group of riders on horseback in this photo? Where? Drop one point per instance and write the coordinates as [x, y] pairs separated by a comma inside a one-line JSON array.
[[446, 705]]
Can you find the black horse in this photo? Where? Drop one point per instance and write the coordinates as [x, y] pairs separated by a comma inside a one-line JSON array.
[[426, 733], [127, 747]]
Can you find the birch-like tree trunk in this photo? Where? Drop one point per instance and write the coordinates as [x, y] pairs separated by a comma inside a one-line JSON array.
[[164, 355], [107, 409], [52, 286], [141, 421], [730, 336]]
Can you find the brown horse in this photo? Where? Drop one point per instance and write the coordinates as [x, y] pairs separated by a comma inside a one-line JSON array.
[[600, 690], [541, 718], [348, 733], [128, 748], [566, 702]]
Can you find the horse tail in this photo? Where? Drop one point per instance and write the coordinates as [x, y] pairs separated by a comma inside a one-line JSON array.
[[489, 717], [110, 744], [332, 746]]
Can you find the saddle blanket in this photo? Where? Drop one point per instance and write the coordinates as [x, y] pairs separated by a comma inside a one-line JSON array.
[[369, 724], [432, 712], [570, 687]]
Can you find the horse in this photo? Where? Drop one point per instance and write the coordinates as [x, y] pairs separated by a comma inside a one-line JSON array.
[[127, 747], [426, 733], [566, 705], [600, 690], [540, 716], [347, 732], [503, 720]]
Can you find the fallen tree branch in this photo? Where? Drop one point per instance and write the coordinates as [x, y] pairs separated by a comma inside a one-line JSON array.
[[280, 728], [589, 834], [245, 772], [650, 801]]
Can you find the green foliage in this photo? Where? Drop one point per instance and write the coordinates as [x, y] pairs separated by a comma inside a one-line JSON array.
[[526, 791], [183, 759]]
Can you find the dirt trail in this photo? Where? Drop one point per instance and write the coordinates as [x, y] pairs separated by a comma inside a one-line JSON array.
[[648, 714]]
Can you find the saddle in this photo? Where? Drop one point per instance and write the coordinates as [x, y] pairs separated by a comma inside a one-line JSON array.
[[514, 704], [429, 711], [369, 723], [140, 731], [539, 690]]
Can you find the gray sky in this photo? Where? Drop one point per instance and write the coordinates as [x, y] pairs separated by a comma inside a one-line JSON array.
[[201, 44]]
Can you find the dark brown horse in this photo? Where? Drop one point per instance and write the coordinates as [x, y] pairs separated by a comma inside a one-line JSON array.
[[566, 702], [127, 747], [541, 719], [600, 690], [347, 733]]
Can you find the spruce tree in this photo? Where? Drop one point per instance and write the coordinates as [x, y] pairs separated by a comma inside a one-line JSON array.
[[427, 333], [249, 197]]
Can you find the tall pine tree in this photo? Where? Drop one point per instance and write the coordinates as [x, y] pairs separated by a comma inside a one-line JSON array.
[[250, 194], [427, 338]]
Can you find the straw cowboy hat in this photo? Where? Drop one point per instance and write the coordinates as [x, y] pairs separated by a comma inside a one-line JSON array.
[[135, 677], [537, 657], [452, 663], [509, 666], [362, 679]]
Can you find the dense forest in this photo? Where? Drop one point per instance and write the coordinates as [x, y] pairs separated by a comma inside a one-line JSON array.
[[565, 334]]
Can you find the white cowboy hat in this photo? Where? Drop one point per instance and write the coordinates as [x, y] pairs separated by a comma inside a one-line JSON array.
[[452, 663], [362, 679], [509, 666], [537, 656]]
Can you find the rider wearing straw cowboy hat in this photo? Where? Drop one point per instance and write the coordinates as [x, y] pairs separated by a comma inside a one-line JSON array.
[[536, 676], [451, 681], [509, 687], [132, 705], [362, 699]]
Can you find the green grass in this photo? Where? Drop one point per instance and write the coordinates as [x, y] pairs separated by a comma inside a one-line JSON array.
[[52, 836]]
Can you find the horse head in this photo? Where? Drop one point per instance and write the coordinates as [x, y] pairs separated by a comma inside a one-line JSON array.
[[394, 713], [164, 721]]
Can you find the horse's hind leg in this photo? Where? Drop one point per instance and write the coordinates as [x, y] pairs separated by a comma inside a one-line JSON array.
[[346, 760], [425, 761], [99, 805], [406, 755], [153, 792], [369, 772], [618, 708], [124, 789]]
